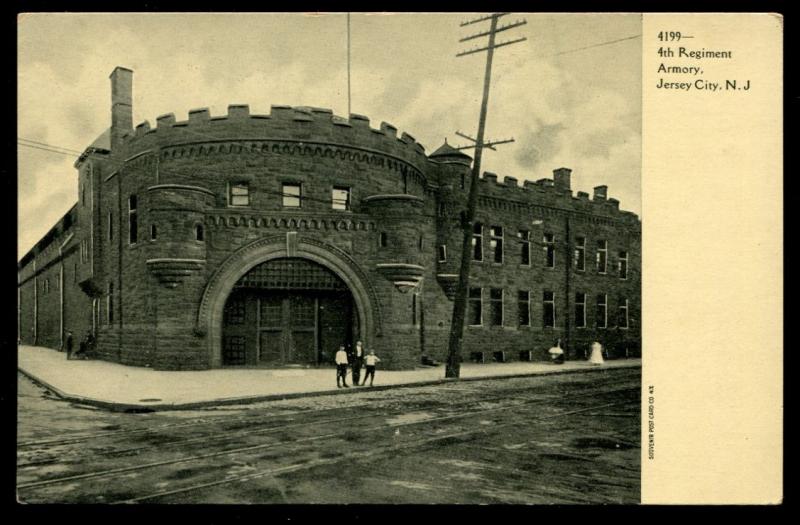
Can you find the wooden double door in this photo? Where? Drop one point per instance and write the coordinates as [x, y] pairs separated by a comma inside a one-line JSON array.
[[276, 328]]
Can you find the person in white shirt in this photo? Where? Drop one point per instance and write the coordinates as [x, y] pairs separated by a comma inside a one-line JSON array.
[[371, 360], [556, 353], [341, 368]]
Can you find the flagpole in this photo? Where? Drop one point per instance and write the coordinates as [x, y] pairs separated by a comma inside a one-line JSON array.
[[348, 65]]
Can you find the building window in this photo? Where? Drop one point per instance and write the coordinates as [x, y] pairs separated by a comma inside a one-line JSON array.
[[414, 309], [496, 243], [580, 310], [548, 309], [442, 253], [84, 251], [340, 198], [110, 226], [622, 322], [83, 194], [110, 303], [441, 208], [601, 315], [421, 243], [623, 265], [474, 311], [524, 247], [549, 250], [153, 232], [133, 226], [199, 233], [496, 306], [602, 256], [524, 307], [46, 286], [383, 240], [477, 242], [291, 195], [580, 253], [75, 272], [405, 182], [239, 194]]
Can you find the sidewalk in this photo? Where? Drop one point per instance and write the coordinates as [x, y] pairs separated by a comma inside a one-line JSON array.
[[120, 388]]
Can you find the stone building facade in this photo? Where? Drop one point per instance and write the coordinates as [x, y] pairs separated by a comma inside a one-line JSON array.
[[245, 240]]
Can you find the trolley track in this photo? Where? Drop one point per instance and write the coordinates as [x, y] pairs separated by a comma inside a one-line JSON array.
[[117, 473], [253, 426], [472, 387], [361, 455]]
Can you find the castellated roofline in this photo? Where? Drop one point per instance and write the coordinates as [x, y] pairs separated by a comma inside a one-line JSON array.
[[511, 189], [283, 122]]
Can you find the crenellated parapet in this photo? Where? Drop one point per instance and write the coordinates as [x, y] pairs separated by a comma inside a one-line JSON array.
[[291, 130], [551, 197]]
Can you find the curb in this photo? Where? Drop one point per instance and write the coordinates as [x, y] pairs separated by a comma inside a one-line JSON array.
[[141, 408]]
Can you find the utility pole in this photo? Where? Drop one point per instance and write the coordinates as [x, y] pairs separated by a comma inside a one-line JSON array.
[[453, 367]]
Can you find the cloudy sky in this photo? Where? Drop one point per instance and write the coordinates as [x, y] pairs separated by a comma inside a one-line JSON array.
[[570, 95]]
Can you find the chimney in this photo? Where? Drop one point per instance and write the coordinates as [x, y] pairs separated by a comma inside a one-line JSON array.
[[561, 178], [121, 104], [600, 193]]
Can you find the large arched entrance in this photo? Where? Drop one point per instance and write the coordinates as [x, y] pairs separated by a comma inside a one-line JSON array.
[[287, 311], [222, 284]]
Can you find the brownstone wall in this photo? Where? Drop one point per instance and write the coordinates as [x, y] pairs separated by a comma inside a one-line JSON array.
[[180, 173]]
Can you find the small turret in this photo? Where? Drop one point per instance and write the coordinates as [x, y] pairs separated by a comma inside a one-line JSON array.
[[447, 153]]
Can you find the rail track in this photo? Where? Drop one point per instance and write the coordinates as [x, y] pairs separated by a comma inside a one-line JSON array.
[[274, 424], [430, 429]]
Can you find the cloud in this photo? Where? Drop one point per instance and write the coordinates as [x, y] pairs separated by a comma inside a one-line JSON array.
[[538, 145], [563, 111]]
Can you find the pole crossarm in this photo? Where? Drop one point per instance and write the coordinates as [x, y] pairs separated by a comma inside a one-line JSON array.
[[493, 46], [490, 144], [501, 28], [481, 19]]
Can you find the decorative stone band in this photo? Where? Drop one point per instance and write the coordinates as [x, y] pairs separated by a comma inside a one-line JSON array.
[[171, 272], [404, 276], [449, 283], [394, 197], [180, 187]]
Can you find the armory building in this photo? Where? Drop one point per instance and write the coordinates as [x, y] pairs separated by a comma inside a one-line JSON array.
[[272, 239]]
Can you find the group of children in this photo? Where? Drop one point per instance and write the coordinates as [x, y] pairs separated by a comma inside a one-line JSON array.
[[356, 360]]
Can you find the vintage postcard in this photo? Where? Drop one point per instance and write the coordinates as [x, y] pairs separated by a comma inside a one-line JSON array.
[[400, 258]]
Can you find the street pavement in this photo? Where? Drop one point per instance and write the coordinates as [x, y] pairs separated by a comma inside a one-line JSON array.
[[568, 438], [119, 387]]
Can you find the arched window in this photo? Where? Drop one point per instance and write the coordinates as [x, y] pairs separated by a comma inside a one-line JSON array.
[[199, 234]]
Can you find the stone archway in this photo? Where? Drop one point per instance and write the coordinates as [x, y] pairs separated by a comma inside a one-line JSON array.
[[210, 313]]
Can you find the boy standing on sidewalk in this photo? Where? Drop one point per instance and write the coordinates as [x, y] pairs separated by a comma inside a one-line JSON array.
[[341, 367], [371, 360], [358, 360]]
